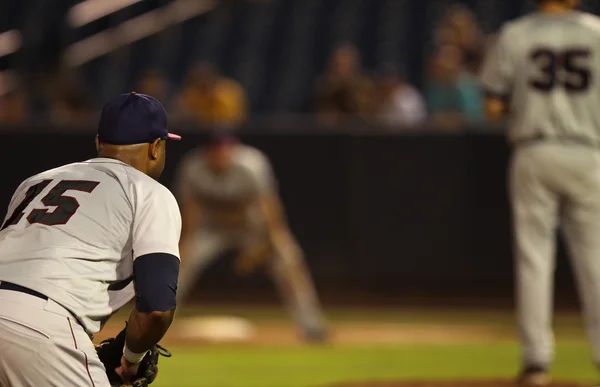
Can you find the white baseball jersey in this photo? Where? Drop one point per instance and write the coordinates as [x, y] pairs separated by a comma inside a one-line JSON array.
[[549, 67], [72, 233], [229, 199]]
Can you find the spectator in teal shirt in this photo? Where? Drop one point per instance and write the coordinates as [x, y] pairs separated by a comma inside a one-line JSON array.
[[454, 96]]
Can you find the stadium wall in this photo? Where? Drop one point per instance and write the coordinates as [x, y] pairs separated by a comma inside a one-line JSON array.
[[382, 215]]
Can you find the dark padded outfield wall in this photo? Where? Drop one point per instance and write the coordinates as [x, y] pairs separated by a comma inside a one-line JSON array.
[[377, 214]]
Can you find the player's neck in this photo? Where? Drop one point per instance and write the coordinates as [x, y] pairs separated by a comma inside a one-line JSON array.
[[127, 158], [555, 8]]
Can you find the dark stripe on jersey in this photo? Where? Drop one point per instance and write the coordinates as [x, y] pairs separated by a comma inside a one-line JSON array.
[[120, 285]]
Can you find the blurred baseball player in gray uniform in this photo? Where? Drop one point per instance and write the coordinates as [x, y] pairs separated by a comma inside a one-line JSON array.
[[78, 243], [545, 72], [229, 201]]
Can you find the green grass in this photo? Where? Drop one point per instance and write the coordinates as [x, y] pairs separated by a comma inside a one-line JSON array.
[[305, 366], [319, 366]]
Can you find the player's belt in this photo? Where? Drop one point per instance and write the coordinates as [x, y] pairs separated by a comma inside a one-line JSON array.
[[573, 140], [22, 289], [18, 288]]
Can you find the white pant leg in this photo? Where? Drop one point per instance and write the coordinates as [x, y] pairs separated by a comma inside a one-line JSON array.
[[582, 233], [206, 247], [535, 217], [42, 345]]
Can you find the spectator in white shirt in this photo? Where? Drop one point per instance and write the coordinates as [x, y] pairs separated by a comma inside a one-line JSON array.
[[401, 106]]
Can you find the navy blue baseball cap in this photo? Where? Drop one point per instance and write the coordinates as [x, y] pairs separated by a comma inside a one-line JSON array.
[[133, 118]]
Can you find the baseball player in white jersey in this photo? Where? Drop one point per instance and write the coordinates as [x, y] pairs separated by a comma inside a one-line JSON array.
[[82, 240], [545, 71], [229, 202]]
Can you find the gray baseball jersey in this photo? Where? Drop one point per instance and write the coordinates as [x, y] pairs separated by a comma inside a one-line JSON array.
[[73, 233], [548, 65], [228, 199]]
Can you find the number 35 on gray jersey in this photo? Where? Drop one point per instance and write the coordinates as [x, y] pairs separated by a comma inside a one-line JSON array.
[[548, 68]]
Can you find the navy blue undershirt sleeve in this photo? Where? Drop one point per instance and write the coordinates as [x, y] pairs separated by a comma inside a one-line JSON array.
[[155, 280]]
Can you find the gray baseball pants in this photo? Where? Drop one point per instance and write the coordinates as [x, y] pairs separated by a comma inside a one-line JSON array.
[[554, 186], [42, 345]]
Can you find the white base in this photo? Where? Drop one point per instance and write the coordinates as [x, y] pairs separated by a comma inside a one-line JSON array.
[[216, 328]]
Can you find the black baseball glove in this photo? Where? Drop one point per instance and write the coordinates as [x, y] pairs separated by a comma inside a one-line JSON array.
[[110, 352]]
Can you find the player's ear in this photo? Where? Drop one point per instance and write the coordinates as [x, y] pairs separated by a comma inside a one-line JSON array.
[[97, 143], [154, 149]]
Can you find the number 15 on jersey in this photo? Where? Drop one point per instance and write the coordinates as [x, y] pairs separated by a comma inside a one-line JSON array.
[[66, 206]]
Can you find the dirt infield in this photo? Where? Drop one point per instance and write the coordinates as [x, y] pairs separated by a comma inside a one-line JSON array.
[[385, 334], [482, 383]]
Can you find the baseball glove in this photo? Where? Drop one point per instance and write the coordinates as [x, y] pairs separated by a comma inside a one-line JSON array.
[[110, 352]]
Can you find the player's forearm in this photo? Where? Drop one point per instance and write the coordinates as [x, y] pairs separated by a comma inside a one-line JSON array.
[[189, 224], [283, 241], [187, 232], [185, 243], [279, 233], [191, 218], [144, 330]]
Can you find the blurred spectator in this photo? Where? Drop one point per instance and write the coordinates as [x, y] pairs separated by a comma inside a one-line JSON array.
[[464, 32], [343, 89], [399, 104], [154, 83], [69, 102], [445, 35], [454, 97], [212, 99], [13, 107]]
